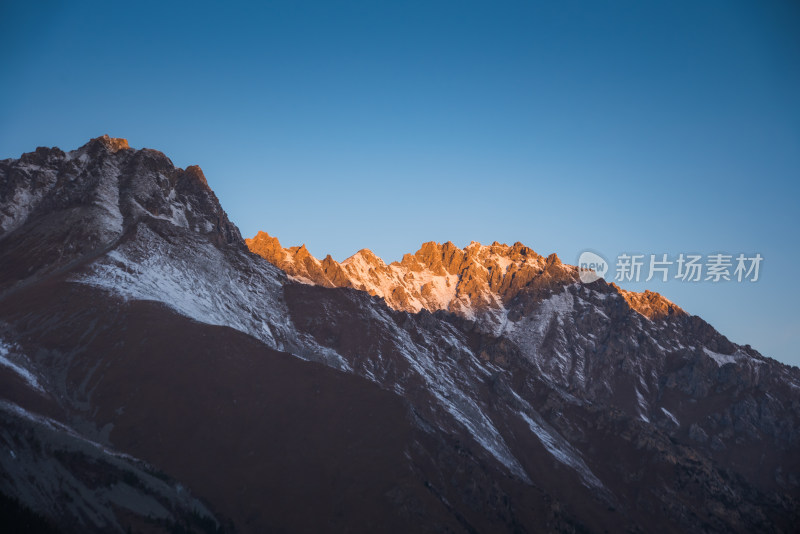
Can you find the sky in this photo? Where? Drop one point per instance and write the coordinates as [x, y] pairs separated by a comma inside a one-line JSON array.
[[618, 127]]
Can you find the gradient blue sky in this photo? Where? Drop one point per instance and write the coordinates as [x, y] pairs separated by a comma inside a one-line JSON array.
[[651, 127]]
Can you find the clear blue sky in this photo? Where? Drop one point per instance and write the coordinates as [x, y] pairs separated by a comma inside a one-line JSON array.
[[651, 127]]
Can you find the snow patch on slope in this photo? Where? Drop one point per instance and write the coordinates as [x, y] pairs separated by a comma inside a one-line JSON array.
[[563, 452], [441, 377], [530, 333], [23, 372], [107, 199], [672, 417], [198, 280], [724, 359]]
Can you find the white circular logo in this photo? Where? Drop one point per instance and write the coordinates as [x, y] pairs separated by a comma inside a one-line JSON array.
[[591, 267]]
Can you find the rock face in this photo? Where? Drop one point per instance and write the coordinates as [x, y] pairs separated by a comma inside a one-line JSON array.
[[476, 281], [156, 375]]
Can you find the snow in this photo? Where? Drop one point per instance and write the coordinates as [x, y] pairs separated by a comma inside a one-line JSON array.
[[177, 214], [562, 451], [721, 359], [199, 281], [668, 414], [656, 343], [558, 306], [107, 199], [643, 406], [502, 261], [442, 289], [382, 280], [301, 280], [19, 411], [563, 363], [371, 274], [449, 383], [23, 372], [14, 212]]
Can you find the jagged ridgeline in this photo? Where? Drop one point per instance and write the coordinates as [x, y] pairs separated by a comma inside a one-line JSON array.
[[159, 373]]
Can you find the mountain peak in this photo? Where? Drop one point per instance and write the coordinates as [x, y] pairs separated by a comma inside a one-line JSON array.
[[442, 276], [366, 254], [194, 171], [113, 144], [267, 247], [110, 187], [526, 388], [553, 259], [650, 304], [301, 252]]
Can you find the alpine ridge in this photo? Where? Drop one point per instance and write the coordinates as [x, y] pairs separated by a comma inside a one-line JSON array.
[[476, 280], [159, 373]]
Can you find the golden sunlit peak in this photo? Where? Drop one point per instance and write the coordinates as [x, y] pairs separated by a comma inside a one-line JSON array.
[[114, 144], [192, 170]]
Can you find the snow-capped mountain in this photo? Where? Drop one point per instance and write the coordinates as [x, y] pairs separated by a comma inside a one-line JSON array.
[[479, 389], [477, 282]]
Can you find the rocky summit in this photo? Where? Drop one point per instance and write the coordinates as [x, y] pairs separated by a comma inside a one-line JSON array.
[[477, 281], [158, 373]]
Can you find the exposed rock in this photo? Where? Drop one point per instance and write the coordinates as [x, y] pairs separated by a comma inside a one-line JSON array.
[[438, 276], [650, 304], [512, 399], [697, 433]]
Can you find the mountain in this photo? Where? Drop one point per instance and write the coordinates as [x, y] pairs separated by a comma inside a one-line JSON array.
[[159, 373], [476, 282]]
